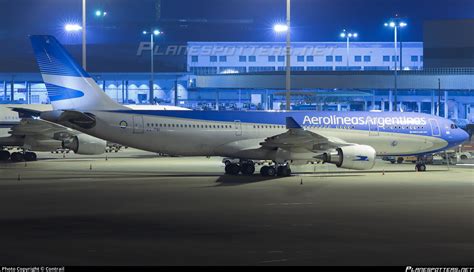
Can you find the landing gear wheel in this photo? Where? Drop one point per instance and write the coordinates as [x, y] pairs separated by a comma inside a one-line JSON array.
[[4, 155], [284, 171], [248, 169], [232, 169], [268, 171], [30, 156], [420, 167], [17, 157]]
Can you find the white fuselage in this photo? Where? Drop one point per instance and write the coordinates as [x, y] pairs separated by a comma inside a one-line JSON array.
[[190, 137]]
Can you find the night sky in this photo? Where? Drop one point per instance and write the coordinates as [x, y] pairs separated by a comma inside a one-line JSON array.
[[114, 39]]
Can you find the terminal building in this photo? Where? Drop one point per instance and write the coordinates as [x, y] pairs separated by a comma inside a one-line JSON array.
[[250, 76], [243, 57]]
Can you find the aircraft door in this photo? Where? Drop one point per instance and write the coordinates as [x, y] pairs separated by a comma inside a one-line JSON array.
[[238, 128], [138, 127], [435, 129], [374, 129]]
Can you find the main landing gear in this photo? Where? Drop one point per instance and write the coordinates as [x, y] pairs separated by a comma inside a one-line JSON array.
[[247, 168], [4, 155], [280, 171], [17, 156]]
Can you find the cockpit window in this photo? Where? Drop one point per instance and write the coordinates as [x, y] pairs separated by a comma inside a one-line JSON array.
[[453, 126]]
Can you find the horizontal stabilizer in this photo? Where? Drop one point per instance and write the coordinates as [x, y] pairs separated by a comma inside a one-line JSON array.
[[26, 113]]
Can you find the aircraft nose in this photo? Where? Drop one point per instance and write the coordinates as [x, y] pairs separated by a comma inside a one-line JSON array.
[[463, 136]]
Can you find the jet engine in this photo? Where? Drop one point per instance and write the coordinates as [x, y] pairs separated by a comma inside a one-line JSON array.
[[83, 144], [356, 157], [41, 144]]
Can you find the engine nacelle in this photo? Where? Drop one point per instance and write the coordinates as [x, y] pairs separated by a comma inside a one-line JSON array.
[[84, 144], [356, 157], [40, 144]]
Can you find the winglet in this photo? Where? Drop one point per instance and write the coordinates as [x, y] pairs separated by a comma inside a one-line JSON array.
[[292, 124]]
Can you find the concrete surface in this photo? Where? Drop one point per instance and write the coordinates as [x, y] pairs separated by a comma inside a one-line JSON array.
[[136, 209]]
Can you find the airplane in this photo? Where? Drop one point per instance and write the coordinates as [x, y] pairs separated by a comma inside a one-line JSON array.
[[350, 140], [32, 134], [18, 128]]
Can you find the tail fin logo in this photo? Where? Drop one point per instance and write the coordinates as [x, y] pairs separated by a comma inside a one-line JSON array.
[[58, 93], [69, 86]]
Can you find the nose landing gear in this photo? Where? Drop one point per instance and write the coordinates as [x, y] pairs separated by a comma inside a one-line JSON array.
[[420, 164], [420, 167]]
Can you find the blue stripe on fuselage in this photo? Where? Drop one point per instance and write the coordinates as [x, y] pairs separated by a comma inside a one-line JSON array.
[[304, 118]]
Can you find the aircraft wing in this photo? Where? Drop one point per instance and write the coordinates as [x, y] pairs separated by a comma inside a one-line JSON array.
[[298, 139], [41, 129]]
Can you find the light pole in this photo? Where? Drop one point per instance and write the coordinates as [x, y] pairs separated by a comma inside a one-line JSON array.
[[72, 28], [396, 24], [152, 33], [76, 28], [288, 55], [348, 37], [287, 28], [100, 13], [84, 50]]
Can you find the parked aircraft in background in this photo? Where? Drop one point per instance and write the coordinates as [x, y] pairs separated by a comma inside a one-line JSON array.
[[347, 139], [30, 134]]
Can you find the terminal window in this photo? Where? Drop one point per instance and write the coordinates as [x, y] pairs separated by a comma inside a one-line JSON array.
[[367, 58], [386, 58], [329, 58], [300, 59], [252, 58], [393, 58], [194, 58], [281, 58], [310, 59], [271, 58], [338, 58], [223, 59], [358, 58], [213, 58], [414, 58], [242, 58]]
